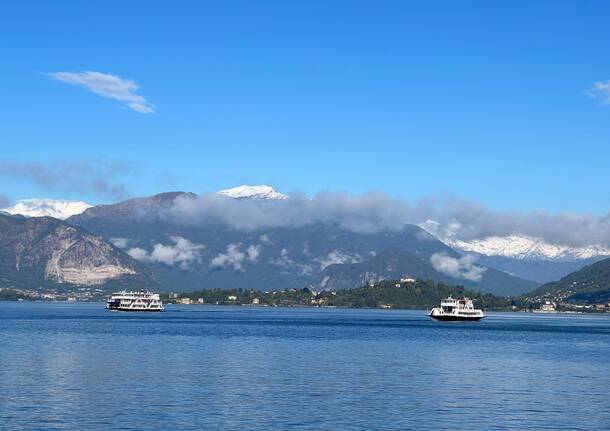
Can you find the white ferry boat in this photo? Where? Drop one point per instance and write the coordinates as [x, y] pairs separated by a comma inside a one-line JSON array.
[[456, 309], [134, 301]]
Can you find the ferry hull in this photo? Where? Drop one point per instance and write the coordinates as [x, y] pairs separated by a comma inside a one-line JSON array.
[[140, 310], [447, 318]]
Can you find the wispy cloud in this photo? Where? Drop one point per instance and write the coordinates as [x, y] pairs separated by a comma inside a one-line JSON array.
[[600, 90], [83, 176], [337, 257], [284, 261], [110, 86]]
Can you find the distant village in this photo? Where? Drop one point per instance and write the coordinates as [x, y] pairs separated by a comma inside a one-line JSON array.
[[274, 298], [404, 293], [82, 294]]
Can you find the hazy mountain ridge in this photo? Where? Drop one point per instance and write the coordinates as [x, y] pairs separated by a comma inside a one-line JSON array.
[[396, 264], [590, 284], [129, 210]]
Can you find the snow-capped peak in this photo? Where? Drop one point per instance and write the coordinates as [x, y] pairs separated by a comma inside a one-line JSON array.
[[521, 247], [47, 207], [261, 192]]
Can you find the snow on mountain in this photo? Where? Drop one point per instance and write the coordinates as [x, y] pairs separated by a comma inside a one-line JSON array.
[[47, 207], [523, 247], [519, 247], [261, 192]]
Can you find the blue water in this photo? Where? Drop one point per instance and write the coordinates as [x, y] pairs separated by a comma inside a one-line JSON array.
[[77, 367]]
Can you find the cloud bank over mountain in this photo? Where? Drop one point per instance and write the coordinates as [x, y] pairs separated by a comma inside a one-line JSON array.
[[377, 211], [454, 220], [371, 212]]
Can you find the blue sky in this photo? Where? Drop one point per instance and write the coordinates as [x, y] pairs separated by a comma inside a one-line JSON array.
[[483, 100]]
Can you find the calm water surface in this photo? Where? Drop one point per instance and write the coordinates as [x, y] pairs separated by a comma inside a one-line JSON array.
[[76, 367]]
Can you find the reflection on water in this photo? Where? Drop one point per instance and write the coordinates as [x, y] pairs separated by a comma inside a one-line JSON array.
[[75, 366]]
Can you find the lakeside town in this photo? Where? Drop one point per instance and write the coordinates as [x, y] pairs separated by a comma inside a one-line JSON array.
[[406, 293]]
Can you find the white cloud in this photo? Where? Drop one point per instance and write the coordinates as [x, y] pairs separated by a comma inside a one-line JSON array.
[[253, 252], [138, 254], [462, 267], [265, 239], [233, 257], [110, 86], [182, 253], [120, 242], [337, 256], [601, 90]]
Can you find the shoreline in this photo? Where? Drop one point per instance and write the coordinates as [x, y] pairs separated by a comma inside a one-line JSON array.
[[264, 306]]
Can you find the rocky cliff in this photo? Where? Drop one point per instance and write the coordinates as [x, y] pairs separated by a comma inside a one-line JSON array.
[[45, 250]]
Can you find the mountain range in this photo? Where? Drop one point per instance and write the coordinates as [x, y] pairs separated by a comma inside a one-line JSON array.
[[522, 256], [149, 242], [209, 254]]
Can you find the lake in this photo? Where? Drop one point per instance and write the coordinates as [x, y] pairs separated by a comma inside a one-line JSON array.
[[74, 366]]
